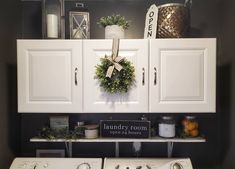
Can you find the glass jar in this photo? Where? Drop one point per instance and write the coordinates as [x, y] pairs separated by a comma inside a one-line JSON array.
[[166, 127], [190, 126]]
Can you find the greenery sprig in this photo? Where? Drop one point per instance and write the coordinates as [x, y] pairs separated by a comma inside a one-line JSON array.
[[50, 134], [114, 20], [120, 82]]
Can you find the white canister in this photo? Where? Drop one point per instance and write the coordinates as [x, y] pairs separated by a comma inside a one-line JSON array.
[[91, 131], [52, 26], [114, 31], [167, 127]]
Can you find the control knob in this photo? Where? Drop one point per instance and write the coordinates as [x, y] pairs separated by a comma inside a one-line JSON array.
[[45, 165], [177, 166], [84, 166]]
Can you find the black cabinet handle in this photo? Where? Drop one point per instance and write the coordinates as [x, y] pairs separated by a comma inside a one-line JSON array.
[[143, 76], [155, 76], [76, 76]]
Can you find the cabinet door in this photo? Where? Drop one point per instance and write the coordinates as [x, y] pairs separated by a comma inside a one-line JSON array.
[[136, 100], [49, 76], [182, 75]]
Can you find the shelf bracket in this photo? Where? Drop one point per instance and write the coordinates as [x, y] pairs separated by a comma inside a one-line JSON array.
[[69, 148], [116, 149], [137, 146], [170, 146]]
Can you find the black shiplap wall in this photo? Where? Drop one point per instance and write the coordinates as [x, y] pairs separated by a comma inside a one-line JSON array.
[[207, 16], [9, 119]]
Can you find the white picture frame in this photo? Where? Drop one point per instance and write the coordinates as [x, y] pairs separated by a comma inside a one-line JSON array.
[[59, 122]]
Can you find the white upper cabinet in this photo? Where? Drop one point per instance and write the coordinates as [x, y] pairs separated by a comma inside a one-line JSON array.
[[49, 75], [95, 100], [182, 75], [171, 75]]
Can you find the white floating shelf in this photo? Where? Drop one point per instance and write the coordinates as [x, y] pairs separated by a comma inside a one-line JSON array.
[[122, 140], [110, 140]]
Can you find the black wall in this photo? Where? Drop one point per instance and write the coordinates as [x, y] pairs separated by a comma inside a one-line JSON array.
[[9, 119], [210, 18], [227, 60]]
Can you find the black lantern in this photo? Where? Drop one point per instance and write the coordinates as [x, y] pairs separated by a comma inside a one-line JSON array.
[[53, 19], [79, 22]]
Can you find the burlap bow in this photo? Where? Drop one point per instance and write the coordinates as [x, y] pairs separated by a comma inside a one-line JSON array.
[[114, 59]]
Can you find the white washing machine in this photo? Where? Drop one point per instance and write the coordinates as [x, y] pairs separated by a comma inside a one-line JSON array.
[[147, 163], [57, 163]]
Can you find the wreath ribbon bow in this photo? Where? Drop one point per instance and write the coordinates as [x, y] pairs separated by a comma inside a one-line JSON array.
[[114, 59]]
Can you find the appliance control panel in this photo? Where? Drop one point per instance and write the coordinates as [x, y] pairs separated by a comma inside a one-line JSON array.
[[57, 163], [147, 163]]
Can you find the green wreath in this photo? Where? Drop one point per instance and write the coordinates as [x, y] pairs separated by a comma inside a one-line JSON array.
[[120, 81]]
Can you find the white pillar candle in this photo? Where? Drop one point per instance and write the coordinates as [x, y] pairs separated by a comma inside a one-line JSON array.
[[52, 26]]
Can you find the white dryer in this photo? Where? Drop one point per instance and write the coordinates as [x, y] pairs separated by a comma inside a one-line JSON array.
[[147, 163], [57, 163]]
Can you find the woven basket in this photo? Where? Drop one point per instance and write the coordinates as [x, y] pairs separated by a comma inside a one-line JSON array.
[[173, 21]]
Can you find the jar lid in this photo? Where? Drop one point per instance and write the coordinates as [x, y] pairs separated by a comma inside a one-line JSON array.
[[167, 117], [91, 126]]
